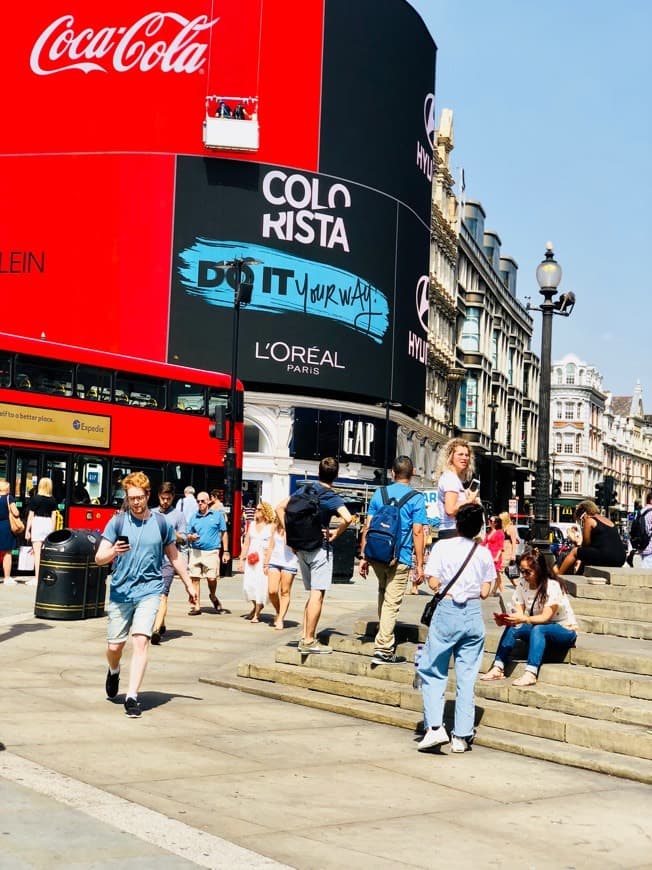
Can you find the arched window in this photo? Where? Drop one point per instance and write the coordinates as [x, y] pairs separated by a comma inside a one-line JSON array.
[[255, 440], [559, 376], [578, 444], [570, 373]]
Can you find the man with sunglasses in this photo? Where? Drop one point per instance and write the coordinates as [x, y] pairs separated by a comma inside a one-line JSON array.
[[135, 542], [206, 534]]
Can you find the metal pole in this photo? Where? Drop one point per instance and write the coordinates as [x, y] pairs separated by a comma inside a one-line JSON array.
[[230, 465], [492, 448], [542, 499], [386, 459]]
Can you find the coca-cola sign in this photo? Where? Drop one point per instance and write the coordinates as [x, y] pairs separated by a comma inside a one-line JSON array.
[[165, 40]]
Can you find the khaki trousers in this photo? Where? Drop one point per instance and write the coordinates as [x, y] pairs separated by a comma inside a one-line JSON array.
[[392, 583]]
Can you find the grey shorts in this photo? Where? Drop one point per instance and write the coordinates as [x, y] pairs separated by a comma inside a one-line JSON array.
[[137, 615], [316, 568]]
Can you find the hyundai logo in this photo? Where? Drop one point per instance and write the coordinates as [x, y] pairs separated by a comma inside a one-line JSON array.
[[423, 285], [429, 119]]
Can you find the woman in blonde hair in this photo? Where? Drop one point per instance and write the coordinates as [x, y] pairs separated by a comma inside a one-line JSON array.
[[281, 566], [40, 521], [255, 546], [601, 543], [511, 543], [455, 469]]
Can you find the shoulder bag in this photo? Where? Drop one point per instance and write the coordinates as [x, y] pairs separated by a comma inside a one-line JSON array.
[[431, 606], [16, 525]]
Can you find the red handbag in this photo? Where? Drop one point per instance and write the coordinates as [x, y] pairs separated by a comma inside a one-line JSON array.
[[253, 559]]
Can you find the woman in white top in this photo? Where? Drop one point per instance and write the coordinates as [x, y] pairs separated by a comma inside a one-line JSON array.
[[281, 565], [254, 583], [455, 469], [543, 617], [457, 629]]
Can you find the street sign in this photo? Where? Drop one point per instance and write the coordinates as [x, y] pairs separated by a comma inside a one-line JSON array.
[[513, 506]]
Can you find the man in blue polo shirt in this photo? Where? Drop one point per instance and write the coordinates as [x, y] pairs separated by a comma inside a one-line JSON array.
[[206, 534], [135, 542], [393, 579]]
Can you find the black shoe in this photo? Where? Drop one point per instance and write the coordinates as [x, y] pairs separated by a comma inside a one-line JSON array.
[[156, 638], [387, 659], [132, 708], [162, 630], [112, 684], [630, 558]]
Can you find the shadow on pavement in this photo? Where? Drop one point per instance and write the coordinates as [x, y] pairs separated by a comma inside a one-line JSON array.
[[23, 628]]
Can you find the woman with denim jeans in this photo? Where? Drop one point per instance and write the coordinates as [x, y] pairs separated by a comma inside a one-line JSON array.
[[542, 618], [457, 630]]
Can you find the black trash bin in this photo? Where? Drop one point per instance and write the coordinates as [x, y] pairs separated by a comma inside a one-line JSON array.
[[343, 555], [70, 584]]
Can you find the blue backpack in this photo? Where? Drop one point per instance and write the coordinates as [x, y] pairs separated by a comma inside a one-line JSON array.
[[383, 539]]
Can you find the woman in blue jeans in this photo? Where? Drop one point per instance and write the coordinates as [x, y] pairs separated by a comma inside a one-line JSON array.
[[457, 630], [542, 618]]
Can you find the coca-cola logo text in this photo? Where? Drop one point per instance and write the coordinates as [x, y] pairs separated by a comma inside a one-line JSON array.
[[159, 39]]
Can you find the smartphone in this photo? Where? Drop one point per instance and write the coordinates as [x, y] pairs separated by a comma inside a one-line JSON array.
[[122, 539], [474, 486]]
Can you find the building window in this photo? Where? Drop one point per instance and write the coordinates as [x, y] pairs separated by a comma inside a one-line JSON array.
[[560, 411], [558, 444], [570, 411], [471, 331], [560, 377], [568, 446], [469, 403], [494, 348], [578, 444], [567, 483], [510, 366], [578, 481], [570, 373]]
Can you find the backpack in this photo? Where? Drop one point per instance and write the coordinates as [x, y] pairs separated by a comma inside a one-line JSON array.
[[303, 525], [382, 542], [639, 534], [160, 519]]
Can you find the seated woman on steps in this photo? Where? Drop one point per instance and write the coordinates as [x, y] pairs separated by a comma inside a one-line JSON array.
[[601, 543], [543, 619]]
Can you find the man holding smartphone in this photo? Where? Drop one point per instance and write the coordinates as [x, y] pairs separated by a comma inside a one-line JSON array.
[[136, 583]]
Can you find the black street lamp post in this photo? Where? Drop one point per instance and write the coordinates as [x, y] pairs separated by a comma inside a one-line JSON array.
[[493, 425], [241, 278], [548, 278]]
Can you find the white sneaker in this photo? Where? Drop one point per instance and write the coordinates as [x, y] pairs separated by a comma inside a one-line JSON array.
[[433, 737], [459, 744], [31, 582], [9, 581]]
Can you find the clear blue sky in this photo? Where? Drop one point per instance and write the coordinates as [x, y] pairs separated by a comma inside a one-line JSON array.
[[552, 113]]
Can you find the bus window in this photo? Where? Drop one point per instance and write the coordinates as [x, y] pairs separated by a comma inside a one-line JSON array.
[[93, 384], [4, 465], [89, 476], [189, 398], [43, 375], [5, 369], [142, 392], [217, 397], [55, 469]]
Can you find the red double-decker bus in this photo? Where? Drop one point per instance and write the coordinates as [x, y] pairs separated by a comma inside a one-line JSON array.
[[86, 418]]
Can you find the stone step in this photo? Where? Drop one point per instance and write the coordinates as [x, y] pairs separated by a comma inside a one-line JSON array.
[[625, 654], [569, 727], [622, 686], [626, 576], [617, 610], [578, 588], [617, 627]]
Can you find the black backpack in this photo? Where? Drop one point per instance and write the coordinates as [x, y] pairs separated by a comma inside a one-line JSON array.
[[161, 522], [639, 534], [383, 539], [303, 525]]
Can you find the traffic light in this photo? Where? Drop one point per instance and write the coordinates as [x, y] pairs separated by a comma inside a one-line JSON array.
[[613, 497], [556, 489], [217, 427], [599, 493]]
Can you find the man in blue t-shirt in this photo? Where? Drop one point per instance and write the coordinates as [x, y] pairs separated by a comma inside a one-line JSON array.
[[317, 565], [206, 534], [135, 543], [393, 579]]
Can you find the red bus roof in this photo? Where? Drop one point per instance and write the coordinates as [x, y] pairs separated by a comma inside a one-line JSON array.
[[102, 359]]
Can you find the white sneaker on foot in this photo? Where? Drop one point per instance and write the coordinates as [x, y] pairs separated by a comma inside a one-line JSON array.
[[459, 744], [9, 581], [433, 737], [31, 582]]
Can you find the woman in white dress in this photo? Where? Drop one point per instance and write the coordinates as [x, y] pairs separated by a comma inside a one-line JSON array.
[[254, 549], [281, 565]]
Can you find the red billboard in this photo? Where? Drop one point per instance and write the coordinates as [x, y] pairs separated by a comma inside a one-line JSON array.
[[107, 187]]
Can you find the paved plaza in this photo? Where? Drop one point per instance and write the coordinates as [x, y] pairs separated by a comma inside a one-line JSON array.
[[213, 777]]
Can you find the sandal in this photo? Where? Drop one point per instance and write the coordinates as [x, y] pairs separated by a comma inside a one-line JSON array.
[[493, 674], [527, 679], [194, 612]]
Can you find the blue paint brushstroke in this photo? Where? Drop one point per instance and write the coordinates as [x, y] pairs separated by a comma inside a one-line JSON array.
[[312, 288]]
